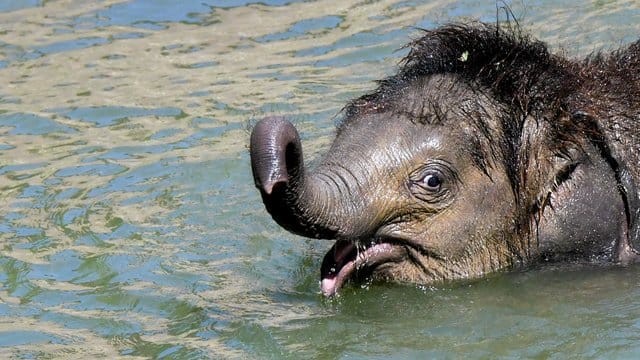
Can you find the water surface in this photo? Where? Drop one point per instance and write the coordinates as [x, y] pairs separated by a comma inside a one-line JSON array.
[[129, 225]]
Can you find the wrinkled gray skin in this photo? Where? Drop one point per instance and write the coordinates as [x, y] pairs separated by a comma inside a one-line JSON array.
[[402, 193]]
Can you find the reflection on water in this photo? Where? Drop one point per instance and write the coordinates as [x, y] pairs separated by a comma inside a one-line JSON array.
[[129, 225]]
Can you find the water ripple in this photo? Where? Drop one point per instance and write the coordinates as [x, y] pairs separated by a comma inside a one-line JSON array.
[[130, 225], [109, 115]]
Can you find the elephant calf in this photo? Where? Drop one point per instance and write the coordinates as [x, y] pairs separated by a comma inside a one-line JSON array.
[[485, 152]]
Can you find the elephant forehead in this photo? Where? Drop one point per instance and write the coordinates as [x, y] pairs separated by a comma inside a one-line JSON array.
[[381, 136]]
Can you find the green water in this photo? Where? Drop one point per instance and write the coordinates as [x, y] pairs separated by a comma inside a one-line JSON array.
[[129, 225]]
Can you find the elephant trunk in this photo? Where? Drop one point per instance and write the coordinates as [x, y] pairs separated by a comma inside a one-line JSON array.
[[279, 174]]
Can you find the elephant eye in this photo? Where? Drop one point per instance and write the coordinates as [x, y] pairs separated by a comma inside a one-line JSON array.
[[432, 182]]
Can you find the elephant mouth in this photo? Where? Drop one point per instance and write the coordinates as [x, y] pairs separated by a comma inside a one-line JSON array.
[[347, 260]]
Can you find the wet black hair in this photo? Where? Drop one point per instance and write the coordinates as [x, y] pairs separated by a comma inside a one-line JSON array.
[[519, 71]]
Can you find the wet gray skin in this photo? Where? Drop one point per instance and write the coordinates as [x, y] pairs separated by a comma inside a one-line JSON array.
[[423, 185]]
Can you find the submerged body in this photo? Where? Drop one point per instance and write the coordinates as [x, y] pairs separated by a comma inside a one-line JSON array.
[[483, 153]]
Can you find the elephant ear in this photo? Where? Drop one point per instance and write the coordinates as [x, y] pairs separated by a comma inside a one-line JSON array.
[[628, 187], [625, 182], [585, 192]]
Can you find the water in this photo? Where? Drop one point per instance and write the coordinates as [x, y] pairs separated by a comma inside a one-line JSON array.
[[129, 225]]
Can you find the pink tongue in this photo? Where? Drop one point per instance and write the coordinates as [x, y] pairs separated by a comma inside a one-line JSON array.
[[328, 286], [331, 284], [333, 272]]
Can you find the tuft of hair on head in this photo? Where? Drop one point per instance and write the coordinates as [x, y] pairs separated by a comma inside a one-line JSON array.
[[517, 69]]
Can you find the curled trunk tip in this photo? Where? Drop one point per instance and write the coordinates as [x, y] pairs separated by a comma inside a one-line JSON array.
[[276, 154]]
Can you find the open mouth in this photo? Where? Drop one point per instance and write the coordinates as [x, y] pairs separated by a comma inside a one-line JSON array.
[[346, 261]]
